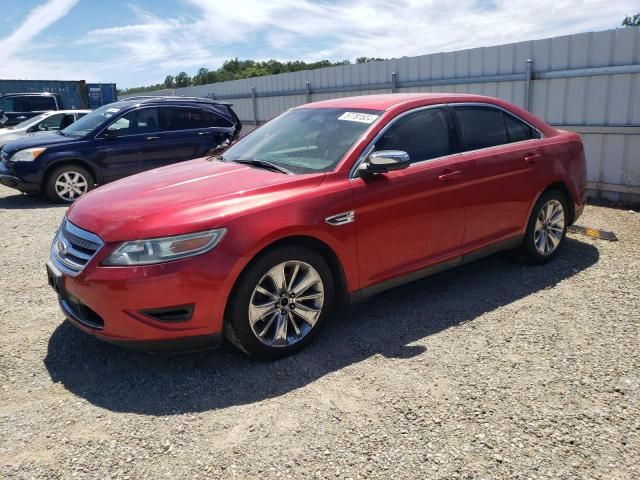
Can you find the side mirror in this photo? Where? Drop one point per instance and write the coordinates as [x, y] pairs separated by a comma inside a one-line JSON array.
[[385, 161], [32, 129], [221, 146]]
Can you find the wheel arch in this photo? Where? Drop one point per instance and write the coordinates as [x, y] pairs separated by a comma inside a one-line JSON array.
[[340, 288], [71, 161], [562, 188]]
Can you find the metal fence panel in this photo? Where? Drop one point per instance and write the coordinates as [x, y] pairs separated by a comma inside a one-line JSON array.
[[588, 82]]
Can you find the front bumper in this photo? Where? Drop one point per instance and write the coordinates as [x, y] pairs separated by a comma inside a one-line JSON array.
[[8, 178], [113, 303]]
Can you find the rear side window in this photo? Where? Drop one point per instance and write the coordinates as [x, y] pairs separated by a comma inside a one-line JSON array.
[[183, 119], [37, 104], [423, 135], [482, 127], [12, 104]]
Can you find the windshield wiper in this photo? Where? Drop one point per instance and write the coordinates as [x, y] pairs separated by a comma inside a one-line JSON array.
[[264, 164]]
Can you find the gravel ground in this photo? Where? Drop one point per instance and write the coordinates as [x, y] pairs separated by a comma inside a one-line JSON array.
[[493, 370]]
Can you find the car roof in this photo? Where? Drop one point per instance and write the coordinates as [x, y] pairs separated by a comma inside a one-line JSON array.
[[387, 101], [32, 94]]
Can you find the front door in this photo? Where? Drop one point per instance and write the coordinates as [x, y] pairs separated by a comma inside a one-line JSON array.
[[414, 218]]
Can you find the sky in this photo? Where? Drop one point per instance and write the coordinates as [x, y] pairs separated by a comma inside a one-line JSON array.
[[140, 42]]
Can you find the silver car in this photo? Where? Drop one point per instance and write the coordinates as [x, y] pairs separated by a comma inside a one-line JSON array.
[[45, 122]]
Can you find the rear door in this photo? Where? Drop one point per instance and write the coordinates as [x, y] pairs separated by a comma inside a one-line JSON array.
[[409, 219], [500, 155], [186, 133]]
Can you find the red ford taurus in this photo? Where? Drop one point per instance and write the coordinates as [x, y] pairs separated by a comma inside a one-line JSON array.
[[324, 205]]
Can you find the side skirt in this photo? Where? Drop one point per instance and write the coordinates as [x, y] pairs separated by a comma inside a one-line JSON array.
[[364, 293]]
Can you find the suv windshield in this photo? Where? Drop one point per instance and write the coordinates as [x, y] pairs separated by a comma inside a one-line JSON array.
[[305, 140], [91, 121]]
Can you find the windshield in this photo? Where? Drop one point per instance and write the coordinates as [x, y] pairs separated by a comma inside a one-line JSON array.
[[305, 140], [91, 121], [29, 122]]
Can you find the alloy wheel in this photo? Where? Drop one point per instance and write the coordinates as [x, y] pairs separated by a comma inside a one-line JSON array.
[[286, 303], [71, 185], [549, 227]]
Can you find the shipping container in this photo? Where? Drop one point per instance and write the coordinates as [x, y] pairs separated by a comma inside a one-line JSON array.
[[76, 94], [99, 94]]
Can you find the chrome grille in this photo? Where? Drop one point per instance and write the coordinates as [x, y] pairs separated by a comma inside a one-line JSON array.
[[73, 248]]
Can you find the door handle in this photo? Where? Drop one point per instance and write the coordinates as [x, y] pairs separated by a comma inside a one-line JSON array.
[[21, 117], [449, 176], [204, 133], [153, 138], [532, 158]]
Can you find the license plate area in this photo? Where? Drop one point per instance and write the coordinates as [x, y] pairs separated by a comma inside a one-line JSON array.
[[55, 280]]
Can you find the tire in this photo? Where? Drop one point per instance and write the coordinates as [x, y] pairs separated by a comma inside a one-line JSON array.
[[78, 182], [545, 236], [278, 328]]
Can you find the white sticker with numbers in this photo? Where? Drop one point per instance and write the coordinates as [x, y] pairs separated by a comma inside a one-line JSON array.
[[358, 117]]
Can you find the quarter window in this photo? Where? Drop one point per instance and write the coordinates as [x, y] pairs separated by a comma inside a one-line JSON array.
[[423, 135], [518, 130]]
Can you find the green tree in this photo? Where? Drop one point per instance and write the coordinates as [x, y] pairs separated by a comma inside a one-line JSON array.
[[183, 80], [169, 82], [200, 78], [631, 21]]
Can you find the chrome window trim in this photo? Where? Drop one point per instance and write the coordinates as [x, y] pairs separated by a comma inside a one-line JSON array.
[[97, 136], [367, 151]]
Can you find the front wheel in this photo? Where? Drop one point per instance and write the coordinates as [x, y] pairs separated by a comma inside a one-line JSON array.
[[279, 303], [67, 183], [547, 228]]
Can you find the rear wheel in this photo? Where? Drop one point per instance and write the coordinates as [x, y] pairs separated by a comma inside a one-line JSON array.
[[279, 303], [67, 183], [547, 227]]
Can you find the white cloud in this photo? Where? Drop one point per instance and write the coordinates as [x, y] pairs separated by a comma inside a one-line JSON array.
[[151, 46], [37, 20]]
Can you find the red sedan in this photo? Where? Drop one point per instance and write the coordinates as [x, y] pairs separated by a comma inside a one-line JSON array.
[[324, 205]]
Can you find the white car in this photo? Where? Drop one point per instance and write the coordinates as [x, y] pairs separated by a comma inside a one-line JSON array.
[[45, 122]]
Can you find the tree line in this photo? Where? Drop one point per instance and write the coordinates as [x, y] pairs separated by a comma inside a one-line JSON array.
[[235, 69]]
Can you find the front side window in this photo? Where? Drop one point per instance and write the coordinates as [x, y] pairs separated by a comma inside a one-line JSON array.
[[137, 122], [11, 104], [51, 123], [92, 121], [305, 140], [423, 135], [484, 127]]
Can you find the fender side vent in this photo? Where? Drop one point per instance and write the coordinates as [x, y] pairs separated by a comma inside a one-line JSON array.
[[179, 313], [341, 218]]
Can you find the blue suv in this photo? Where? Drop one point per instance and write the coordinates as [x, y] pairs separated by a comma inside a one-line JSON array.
[[115, 141]]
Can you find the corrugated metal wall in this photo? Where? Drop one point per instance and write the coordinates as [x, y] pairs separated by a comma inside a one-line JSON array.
[[589, 83]]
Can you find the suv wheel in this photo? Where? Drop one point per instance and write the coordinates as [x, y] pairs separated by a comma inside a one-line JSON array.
[[67, 183], [279, 303], [547, 227]]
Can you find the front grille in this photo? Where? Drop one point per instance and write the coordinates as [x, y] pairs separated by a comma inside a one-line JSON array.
[[73, 248]]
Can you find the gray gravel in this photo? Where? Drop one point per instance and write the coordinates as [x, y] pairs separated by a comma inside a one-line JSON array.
[[493, 370]]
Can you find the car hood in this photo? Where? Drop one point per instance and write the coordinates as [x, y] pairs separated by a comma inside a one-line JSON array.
[[10, 136], [186, 197], [47, 139]]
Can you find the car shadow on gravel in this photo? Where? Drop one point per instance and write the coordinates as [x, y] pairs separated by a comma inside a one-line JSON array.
[[21, 201], [125, 381]]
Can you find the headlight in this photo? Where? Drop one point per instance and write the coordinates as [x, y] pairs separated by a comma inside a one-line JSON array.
[[28, 155], [158, 250]]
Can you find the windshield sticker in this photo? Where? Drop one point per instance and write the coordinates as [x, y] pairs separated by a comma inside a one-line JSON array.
[[358, 117]]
